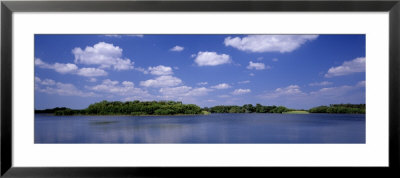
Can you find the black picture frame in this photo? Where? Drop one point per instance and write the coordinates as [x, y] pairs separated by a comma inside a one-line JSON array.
[[8, 7]]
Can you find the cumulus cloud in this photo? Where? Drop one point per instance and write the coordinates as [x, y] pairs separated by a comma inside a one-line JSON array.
[[323, 83], [202, 83], [361, 84], [64, 68], [92, 80], [257, 66], [183, 91], [205, 58], [286, 91], [339, 91], [44, 82], [104, 55], [177, 48], [221, 86], [244, 82], [348, 67], [199, 91], [137, 35], [162, 81], [91, 72], [58, 67], [175, 91], [328, 93], [120, 36], [160, 70], [241, 91], [115, 87], [268, 43], [115, 36], [64, 89], [275, 59], [71, 69], [293, 96]]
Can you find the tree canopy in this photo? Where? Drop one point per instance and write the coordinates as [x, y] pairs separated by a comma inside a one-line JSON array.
[[135, 108], [340, 109], [176, 108], [248, 108]]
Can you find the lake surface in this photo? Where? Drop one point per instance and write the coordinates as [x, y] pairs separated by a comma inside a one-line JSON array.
[[213, 128]]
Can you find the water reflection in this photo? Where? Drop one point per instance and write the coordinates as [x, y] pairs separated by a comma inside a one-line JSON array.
[[215, 128]]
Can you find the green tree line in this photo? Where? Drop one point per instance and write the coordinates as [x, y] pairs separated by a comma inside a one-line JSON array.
[[247, 108], [176, 107], [134, 108], [340, 109]]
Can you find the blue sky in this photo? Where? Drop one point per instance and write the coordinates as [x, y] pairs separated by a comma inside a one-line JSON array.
[[297, 71]]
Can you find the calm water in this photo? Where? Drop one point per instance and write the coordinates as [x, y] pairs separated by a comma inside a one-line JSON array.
[[214, 128]]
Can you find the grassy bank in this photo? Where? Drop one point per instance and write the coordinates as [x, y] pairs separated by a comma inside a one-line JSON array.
[[296, 112]]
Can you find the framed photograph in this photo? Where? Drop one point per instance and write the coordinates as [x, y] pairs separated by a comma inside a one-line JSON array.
[[161, 88]]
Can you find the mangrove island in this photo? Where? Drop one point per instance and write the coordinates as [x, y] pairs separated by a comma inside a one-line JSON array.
[[142, 108]]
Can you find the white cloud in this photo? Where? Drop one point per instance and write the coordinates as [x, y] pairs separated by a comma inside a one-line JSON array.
[[323, 83], [332, 91], [140, 36], [175, 91], [92, 80], [275, 60], [177, 48], [221, 86], [361, 84], [339, 91], [202, 83], [37, 79], [241, 91], [115, 36], [44, 82], [269, 43], [199, 91], [244, 82], [104, 55], [293, 96], [257, 66], [293, 91], [184, 91], [65, 68], [211, 58], [120, 36], [252, 74], [41, 64], [71, 69], [91, 72], [127, 84], [58, 67], [64, 89], [348, 67], [141, 70], [115, 87], [162, 81], [287, 91], [160, 70]]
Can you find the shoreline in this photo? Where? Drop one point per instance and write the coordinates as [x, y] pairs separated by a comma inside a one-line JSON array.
[[190, 114]]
